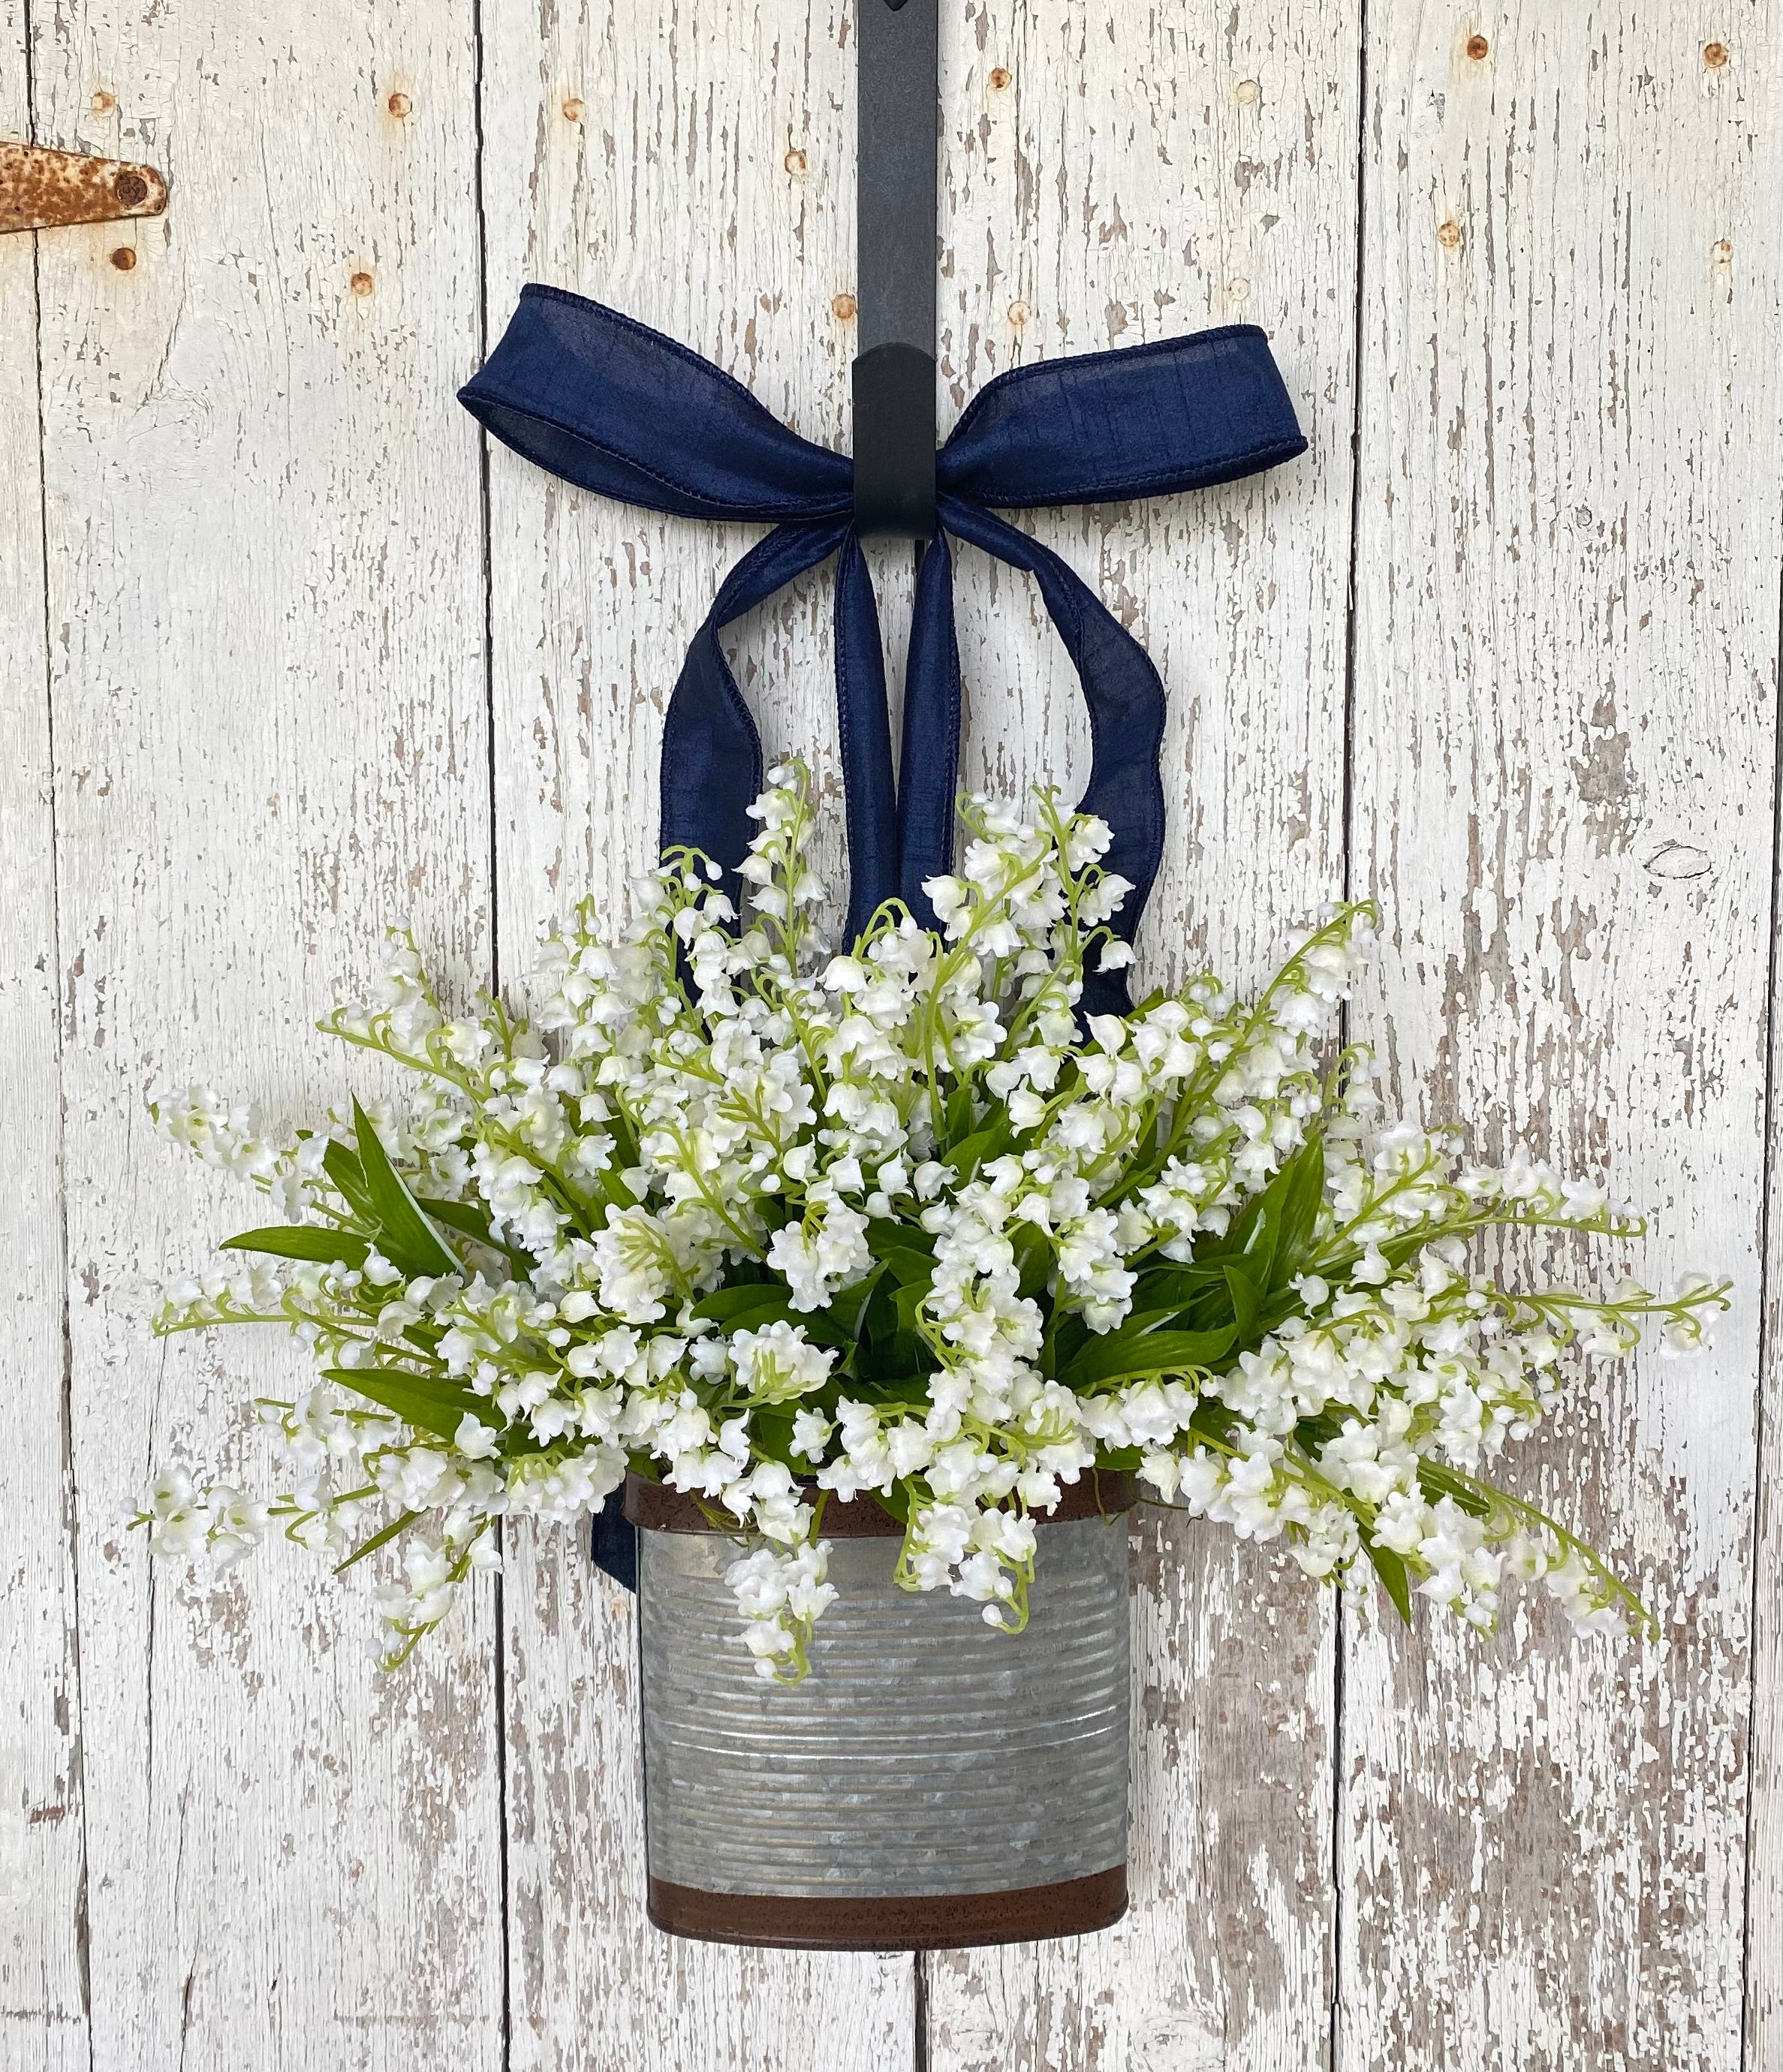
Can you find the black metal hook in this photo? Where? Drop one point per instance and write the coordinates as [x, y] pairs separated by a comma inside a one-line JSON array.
[[895, 224]]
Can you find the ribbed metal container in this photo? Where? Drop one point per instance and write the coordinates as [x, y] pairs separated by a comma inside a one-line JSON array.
[[930, 1782]]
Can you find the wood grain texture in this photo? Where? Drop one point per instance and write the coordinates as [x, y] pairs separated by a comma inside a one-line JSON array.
[[1566, 637], [1763, 1945], [246, 725], [1142, 172], [692, 166], [43, 1952], [265, 634]]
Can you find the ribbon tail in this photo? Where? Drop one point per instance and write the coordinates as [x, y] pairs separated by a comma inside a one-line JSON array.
[[711, 752], [1125, 698], [613, 1541], [928, 766], [865, 729]]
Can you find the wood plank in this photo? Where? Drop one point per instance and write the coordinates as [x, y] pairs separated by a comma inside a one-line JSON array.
[[1116, 173], [43, 1952], [1764, 1948], [692, 166], [265, 627], [1565, 639]]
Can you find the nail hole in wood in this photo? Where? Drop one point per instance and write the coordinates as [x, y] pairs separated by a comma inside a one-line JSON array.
[[1000, 78], [360, 284], [123, 258], [102, 102], [842, 306], [1478, 46], [795, 161], [1248, 91], [1449, 235], [1715, 55], [572, 109], [399, 105]]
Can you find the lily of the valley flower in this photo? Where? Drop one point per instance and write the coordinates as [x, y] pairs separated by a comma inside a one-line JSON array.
[[785, 1228]]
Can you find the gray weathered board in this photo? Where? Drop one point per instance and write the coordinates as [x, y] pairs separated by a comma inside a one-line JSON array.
[[285, 653]]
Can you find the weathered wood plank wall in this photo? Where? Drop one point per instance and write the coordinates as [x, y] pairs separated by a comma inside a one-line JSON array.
[[264, 624], [298, 661], [41, 1999], [1566, 631], [694, 172], [1112, 176]]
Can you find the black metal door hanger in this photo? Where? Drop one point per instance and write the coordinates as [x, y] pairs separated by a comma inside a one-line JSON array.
[[895, 228]]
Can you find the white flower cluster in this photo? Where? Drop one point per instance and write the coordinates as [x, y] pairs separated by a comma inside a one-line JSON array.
[[781, 1228]]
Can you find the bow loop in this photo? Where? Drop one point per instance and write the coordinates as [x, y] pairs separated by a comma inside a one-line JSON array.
[[1143, 421], [619, 409], [711, 752]]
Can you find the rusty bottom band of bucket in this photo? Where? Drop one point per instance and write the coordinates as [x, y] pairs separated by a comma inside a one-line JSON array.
[[934, 1920]]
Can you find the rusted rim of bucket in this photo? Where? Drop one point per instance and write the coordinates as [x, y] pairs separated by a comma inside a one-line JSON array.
[[934, 1920], [658, 1509]]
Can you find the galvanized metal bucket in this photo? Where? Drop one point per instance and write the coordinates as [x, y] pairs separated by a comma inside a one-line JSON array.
[[931, 1783]]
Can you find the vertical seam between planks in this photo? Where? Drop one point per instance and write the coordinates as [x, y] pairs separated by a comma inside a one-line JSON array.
[[919, 2005], [1346, 851], [504, 1939], [1765, 1339], [70, 1500]]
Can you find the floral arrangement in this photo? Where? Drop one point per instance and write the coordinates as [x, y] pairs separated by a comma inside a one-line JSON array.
[[783, 1229]]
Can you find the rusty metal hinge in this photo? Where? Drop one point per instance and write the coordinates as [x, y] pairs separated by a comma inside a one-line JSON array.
[[42, 190]]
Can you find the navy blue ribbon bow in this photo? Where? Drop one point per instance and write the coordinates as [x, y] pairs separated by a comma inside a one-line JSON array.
[[620, 409]]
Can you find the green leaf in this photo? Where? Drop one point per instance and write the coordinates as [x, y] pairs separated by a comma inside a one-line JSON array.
[[378, 1539], [1392, 1573], [887, 1347], [837, 1323], [340, 1248], [1136, 1324], [724, 1305], [1241, 1291], [1212, 1420], [957, 1118], [1261, 1228], [909, 1299], [464, 1216], [1068, 1337], [886, 1235], [1118, 1358], [348, 1177], [772, 1305], [417, 1399], [1199, 1292], [878, 1318], [1033, 1259], [467, 1218], [406, 1236], [770, 1434], [1257, 1231], [1302, 1198], [1474, 1498], [986, 1144], [1122, 1460], [910, 1269]]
